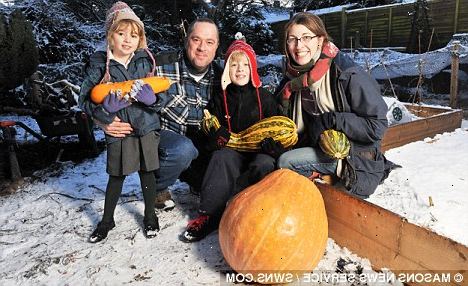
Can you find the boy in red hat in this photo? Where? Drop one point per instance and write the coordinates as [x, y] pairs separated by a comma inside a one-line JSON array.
[[242, 103]]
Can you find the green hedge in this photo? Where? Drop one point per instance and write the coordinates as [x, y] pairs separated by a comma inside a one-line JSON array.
[[18, 51]]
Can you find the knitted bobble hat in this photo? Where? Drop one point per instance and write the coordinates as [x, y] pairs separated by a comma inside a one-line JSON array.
[[118, 12], [121, 11], [241, 46]]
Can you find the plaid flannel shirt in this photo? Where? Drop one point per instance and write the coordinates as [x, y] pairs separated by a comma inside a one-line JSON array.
[[185, 100]]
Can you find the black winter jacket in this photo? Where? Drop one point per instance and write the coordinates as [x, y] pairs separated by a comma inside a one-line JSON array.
[[242, 104]]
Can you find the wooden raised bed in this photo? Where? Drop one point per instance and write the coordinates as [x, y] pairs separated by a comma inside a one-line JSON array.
[[389, 240], [433, 121], [385, 238]]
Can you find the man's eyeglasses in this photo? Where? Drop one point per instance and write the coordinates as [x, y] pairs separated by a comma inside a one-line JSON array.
[[293, 41]]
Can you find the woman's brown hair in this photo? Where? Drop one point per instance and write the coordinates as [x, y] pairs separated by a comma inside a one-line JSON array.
[[311, 22]]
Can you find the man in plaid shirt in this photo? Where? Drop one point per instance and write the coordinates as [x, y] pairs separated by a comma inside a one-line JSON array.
[[182, 109]]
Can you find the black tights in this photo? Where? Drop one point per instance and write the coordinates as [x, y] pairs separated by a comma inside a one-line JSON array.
[[114, 189]]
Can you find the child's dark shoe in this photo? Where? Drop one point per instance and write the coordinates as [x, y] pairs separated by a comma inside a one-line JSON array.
[[101, 231], [151, 229], [199, 228], [164, 200]]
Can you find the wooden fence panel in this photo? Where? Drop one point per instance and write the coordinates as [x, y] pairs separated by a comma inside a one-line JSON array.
[[462, 26], [391, 24], [442, 15], [378, 21], [401, 27], [333, 23], [355, 29]]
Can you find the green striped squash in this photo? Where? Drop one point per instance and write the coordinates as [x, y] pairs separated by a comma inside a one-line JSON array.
[[334, 143], [280, 128]]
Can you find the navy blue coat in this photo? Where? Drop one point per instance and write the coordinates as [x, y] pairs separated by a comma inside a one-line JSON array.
[[360, 113], [142, 118]]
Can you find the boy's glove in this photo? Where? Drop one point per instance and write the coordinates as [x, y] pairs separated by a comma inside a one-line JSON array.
[[272, 147], [218, 139], [320, 123], [146, 95], [285, 92], [113, 103]]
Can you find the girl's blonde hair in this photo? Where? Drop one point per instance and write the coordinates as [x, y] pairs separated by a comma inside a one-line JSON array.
[[136, 28]]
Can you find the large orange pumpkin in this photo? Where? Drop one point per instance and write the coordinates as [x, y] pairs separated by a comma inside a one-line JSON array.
[[278, 225]]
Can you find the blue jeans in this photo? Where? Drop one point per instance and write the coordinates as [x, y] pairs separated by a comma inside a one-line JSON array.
[[176, 152], [306, 160]]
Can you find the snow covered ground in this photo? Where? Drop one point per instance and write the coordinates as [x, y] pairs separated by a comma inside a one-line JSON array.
[[45, 225], [433, 169]]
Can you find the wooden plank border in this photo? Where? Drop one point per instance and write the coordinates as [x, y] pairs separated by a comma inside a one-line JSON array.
[[389, 240], [434, 121]]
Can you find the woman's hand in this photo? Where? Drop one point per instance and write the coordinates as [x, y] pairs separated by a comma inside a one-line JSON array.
[[318, 124], [116, 129]]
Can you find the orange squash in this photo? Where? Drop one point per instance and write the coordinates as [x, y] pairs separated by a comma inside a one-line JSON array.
[[100, 91], [277, 226]]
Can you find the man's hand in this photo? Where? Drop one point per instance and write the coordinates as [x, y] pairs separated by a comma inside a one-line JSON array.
[[115, 129]]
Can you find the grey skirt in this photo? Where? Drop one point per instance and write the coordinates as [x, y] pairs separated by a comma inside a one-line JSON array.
[[133, 154]]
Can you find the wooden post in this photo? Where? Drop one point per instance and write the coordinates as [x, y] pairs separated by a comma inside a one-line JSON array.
[[454, 75], [389, 31], [357, 40], [9, 135], [343, 28], [366, 28], [455, 18]]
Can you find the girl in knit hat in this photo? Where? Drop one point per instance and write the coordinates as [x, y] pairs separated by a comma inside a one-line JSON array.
[[126, 58], [241, 103]]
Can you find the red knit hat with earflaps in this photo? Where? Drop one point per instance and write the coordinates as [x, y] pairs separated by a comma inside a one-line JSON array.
[[241, 46]]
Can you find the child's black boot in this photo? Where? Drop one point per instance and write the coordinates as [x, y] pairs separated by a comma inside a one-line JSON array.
[[151, 227], [101, 231]]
